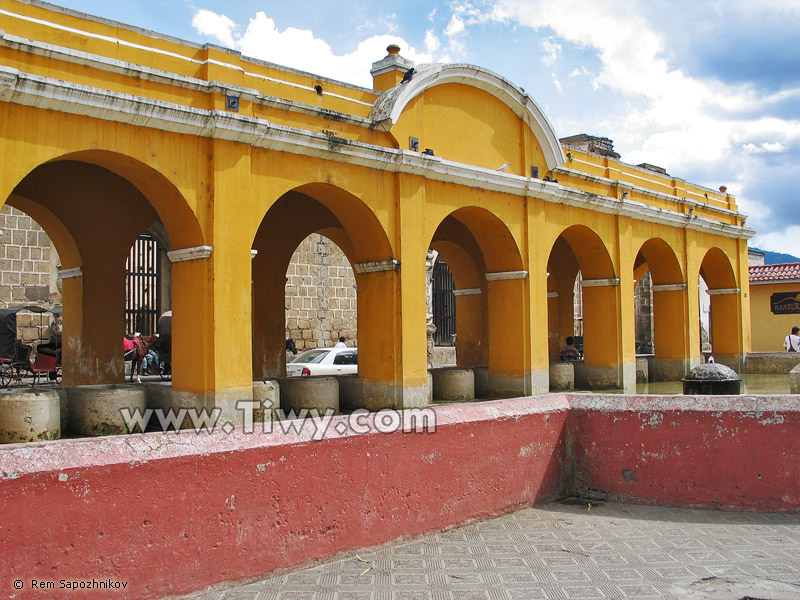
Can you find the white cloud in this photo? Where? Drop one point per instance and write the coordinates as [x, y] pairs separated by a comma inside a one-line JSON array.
[[765, 147], [787, 241], [217, 26], [301, 49], [663, 115], [551, 50], [432, 43], [556, 82], [455, 26]]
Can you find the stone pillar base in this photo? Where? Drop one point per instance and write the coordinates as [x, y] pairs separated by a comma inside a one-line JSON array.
[[669, 369], [96, 409], [453, 384], [642, 370], [355, 393], [539, 382], [267, 395], [794, 380], [509, 386], [629, 377], [590, 377], [309, 393], [735, 362], [481, 376], [562, 376], [29, 416]]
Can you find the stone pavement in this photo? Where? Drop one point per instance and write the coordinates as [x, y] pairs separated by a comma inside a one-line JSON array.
[[565, 550]]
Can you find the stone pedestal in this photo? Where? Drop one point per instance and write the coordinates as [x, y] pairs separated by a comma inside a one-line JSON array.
[[481, 377], [562, 376], [642, 370], [350, 393], [267, 395], [794, 380], [453, 384], [29, 416], [319, 393], [95, 409]]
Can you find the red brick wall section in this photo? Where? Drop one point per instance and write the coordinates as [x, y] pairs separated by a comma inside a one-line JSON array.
[[739, 453], [169, 514]]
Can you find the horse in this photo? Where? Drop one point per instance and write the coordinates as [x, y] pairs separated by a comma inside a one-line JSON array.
[[141, 346]]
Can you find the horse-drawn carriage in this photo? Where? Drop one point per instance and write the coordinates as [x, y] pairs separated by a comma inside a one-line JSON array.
[[137, 349], [16, 365]]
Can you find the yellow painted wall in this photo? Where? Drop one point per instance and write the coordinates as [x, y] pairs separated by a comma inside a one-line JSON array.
[[769, 330], [292, 162]]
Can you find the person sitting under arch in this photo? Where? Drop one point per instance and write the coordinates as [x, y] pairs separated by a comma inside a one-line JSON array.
[[569, 352]]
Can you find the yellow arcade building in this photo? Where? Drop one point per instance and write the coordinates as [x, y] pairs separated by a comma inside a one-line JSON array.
[[106, 129]]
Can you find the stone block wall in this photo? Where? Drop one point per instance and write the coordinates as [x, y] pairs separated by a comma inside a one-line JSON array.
[[28, 271], [321, 301]]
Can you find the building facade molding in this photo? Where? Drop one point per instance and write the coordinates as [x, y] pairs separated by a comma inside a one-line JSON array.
[[70, 273], [506, 275], [377, 266], [184, 254], [724, 291], [468, 292], [669, 287], [57, 95], [612, 281]]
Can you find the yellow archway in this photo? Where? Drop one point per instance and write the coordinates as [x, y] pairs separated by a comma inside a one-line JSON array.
[[579, 249], [345, 219], [491, 300], [670, 309]]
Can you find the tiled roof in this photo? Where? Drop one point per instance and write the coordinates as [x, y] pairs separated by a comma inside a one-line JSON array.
[[780, 272]]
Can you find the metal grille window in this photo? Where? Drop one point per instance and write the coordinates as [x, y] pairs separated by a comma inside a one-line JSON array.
[[444, 304], [142, 286]]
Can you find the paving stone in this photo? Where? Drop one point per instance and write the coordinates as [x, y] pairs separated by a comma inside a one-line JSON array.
[[562, 551]]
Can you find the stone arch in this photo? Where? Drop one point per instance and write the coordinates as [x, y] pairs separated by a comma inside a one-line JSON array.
[[349, 222], [390, 105], [726, 307], [491, 286], [579, 249], [669, 309], [94, 204], [173, 210]]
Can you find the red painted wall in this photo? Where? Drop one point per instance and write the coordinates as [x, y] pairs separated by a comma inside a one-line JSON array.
[[739, 452], [169, 514]]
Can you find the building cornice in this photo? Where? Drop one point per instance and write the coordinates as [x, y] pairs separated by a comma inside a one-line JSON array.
[[57, 95], [140, 72], [646, 191]]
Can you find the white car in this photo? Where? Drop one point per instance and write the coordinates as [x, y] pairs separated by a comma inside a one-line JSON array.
[[324, 361]]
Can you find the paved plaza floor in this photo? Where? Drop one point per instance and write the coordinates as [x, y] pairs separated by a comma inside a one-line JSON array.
[[565, 550]]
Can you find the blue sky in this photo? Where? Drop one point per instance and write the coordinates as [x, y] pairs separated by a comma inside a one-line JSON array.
[[708, 89]]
